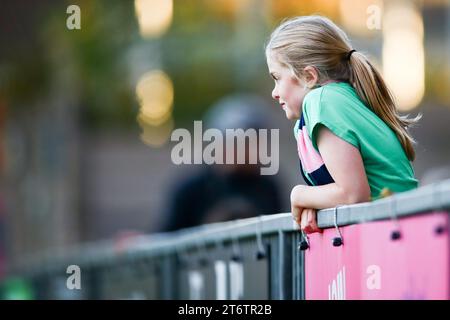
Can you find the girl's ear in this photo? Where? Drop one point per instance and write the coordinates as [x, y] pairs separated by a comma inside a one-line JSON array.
[[311, 76]]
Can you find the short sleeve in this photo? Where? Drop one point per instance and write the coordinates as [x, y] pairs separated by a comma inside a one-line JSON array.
[[331, 113]]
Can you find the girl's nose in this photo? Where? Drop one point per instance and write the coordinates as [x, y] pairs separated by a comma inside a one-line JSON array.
[[275, 95]]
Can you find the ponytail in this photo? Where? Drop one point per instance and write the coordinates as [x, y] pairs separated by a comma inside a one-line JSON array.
[[373, 91]]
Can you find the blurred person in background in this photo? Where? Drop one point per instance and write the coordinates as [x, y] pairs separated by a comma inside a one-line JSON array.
[[224, 192]]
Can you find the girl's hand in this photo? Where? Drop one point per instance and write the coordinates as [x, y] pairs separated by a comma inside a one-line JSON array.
[[296, 210], [308, 221], [296, 213], [305, 217]]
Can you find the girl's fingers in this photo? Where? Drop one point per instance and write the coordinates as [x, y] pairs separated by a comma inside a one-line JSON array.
[[304, 224], [296, 214], [307, 220], [304, 221], [312, 220], [307, 226]]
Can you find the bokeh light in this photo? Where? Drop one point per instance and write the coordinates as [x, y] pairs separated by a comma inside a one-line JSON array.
[[403, 54], [155, 136], [154, 16], [154, 92]]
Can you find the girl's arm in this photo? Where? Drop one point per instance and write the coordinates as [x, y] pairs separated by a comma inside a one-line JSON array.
[[346, 167]]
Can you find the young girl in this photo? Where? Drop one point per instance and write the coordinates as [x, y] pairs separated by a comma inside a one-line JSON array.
[[351, 142]]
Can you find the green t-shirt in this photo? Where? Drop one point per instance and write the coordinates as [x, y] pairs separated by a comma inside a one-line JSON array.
[[338, 107]]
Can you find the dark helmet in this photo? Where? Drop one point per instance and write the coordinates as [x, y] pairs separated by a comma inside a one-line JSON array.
[[235, 111]]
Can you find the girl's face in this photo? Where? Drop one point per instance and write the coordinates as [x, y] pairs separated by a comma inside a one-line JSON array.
[[289, 91]]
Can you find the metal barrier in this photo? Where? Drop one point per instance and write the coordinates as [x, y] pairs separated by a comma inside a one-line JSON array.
[[382, 249]]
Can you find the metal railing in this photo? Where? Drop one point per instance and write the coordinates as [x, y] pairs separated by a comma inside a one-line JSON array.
[[256, 258]]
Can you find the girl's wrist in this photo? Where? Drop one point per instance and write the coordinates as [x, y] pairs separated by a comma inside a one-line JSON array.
[[296, 193]]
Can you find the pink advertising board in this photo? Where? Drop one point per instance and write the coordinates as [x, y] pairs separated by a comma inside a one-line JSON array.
[[371, 265]]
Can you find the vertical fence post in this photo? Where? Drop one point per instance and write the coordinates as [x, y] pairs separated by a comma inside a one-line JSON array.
[[284, 267], [298, 268]]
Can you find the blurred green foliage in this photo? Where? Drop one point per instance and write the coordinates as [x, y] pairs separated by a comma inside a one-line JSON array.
[[211, 49], [201, 52]]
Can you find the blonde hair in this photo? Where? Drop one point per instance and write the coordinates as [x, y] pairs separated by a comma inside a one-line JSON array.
[[316, 41]]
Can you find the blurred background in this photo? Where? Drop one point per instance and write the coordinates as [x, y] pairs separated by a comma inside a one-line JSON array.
[[86, 114]]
